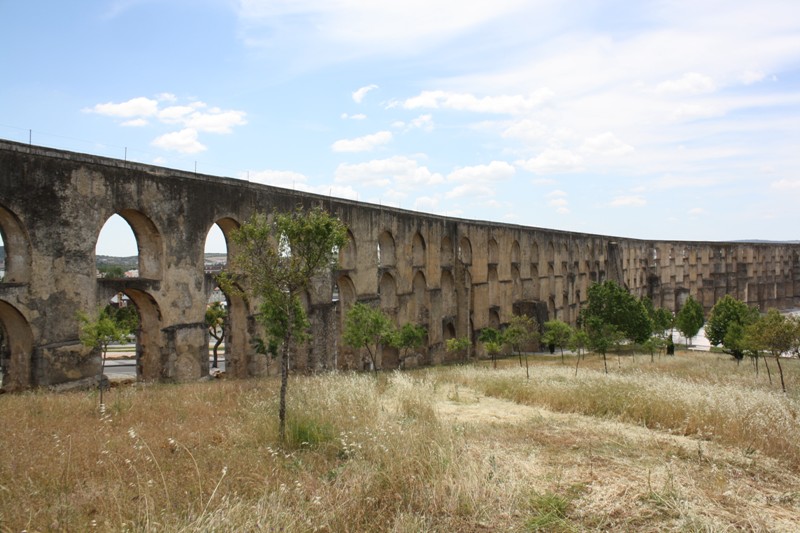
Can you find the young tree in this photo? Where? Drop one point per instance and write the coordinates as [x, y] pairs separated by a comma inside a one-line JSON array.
[[492, 340], [602, 337], [98, 333], [276, 258], [578, 341], [458, 345], [407, 338], [367, 327], [774, 333], [727, 322], [521, 330], [690, 319], [216, 322], [558, 334]]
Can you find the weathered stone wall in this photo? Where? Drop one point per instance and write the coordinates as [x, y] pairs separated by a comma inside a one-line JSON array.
[[451, 275]]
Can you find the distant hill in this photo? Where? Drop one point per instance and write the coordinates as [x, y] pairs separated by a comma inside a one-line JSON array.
[[132, 262]]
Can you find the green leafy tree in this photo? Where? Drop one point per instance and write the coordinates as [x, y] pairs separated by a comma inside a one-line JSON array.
[[276, 258], [99, 333], [458, 345], [558, 334], [578, 342], [773, 333], [111, 271], [367, 327], [726, 325], [602, 337], [217, 323], [407, 338], [690, 319], [521, 330], [492, 340], [609, 303]]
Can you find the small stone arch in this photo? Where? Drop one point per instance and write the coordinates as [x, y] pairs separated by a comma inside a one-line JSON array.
[[516, 280], [449, 306], [494, 318], [387, 290], [348, 253], [465, 251], [494, 252], [418, 250], [16, 349], [446, 252], [493, 278], [345, 296], [515, 253], [386, 250], [150, 365], [535, 259], [420, 299], [17, 248]]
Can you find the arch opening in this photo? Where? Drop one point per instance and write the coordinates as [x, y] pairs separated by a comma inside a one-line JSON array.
[[446, 252], [418, 250], [465, 251], [15, 259], [149, 363], [494, 252], [386, 253], [16, 350], [344, 294], [139, 256], [347, 254]]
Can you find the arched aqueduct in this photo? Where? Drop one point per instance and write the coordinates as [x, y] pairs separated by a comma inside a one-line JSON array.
[[453, 276]]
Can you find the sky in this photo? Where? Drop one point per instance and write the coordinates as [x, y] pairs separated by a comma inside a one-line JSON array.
[[644, 119]]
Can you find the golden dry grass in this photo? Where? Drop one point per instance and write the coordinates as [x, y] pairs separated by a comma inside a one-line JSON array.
[[445, 449]]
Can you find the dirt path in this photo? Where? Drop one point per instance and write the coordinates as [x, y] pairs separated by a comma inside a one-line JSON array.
[[625, 477]]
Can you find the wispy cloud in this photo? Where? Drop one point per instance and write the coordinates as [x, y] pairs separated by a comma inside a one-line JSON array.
[[362, 144]]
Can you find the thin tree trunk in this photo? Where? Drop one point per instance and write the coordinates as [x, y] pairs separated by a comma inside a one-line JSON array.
[[605, 364], [577, 362], [780, 371], [527, 371], [215, 364], [769, 373], [287, 338]]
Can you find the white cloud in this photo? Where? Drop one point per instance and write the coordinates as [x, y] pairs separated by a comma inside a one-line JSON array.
[[135, 107], [357, 116], [470, 189], [750, 77], [672, 182], [215, 120], [553, 160], [426, 203], [362, 144], [786, 184], [606, 144], [526, 129], [539, 182], [501, 104], [423, 122], [166, 97], [184, 141], [358, 95], [404, 173], [279, 178], [494, 171], [135, 123], [689, 83], [628, 201], [556, 193]]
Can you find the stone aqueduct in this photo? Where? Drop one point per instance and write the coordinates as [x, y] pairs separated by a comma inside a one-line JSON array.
[[453, 276]]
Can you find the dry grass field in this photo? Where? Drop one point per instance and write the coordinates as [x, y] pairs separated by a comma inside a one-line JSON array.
[[686, 443]]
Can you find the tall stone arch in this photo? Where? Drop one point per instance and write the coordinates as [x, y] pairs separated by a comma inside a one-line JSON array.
[[345, 297]]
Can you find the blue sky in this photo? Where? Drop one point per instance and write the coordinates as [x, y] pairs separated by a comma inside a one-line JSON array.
[[647, 119]]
